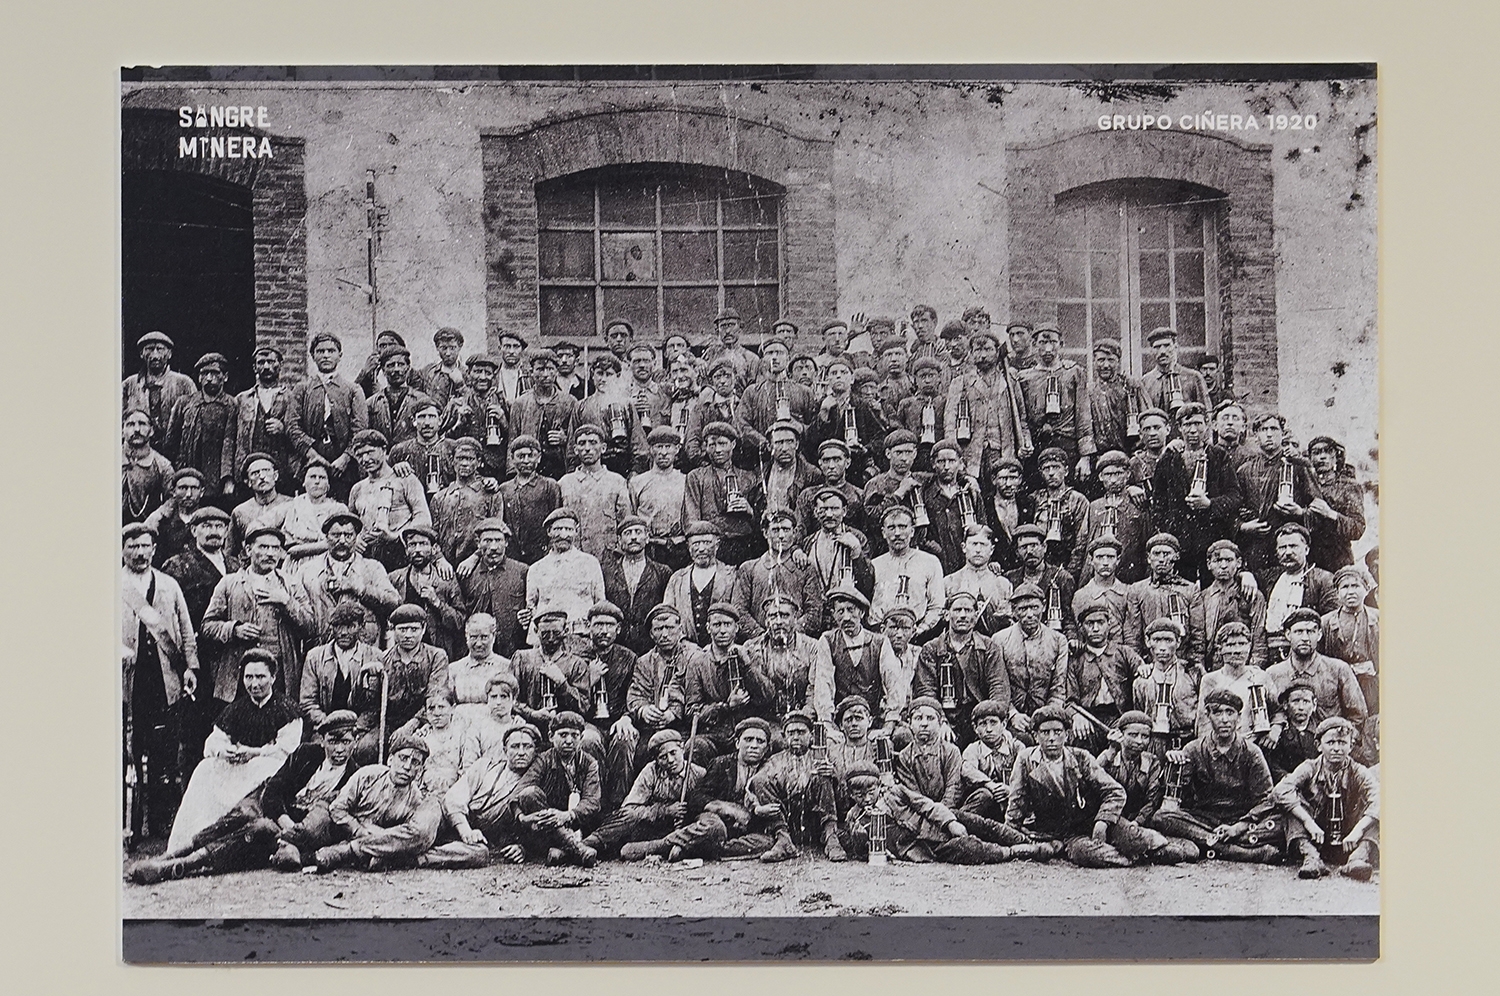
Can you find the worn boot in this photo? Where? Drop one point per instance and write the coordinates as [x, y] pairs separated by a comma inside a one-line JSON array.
[[639, 850], [1312, 862], [781, 850], [287, 858], [1174, 851], [1033, 852], [1358, 865], [151, 871], [334, 856], [831, 846], [1263, 855]]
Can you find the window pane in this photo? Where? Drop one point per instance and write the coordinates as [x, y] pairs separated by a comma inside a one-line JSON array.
[[1070, 321], [1071, 231], [689, 202], [1190, 324], [1154, 275], [569, 255], [572, 204], [568, 311], [745, 207], [627, 202], [1189, 274], [759, 307], [1104, 226], [751, 256], [1106, 274], [638, 307], [690, 311], [1154, 316], [629, 256], [689, 256], [1106, 320], [1187, 228], [1072, 270], [1151, 224]]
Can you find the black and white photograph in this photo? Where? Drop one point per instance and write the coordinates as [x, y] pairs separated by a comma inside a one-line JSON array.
[[749, 513]]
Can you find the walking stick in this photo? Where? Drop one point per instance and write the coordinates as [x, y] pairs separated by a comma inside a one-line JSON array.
[[687, 768], [385, 698]]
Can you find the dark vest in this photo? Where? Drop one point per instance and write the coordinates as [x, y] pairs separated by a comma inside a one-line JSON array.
[[862, 678]]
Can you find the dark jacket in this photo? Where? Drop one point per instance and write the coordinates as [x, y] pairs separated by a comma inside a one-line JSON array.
[[635, 631], [279, 791], [549, 774]]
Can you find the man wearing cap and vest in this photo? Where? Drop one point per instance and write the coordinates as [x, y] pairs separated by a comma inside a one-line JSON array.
[[434, 591], [852, 660], [491, 582], [443, 379], [426, 453], [158, 388], [1114, 401], [1061, 511], [546, 413], [658, 495], [597, 495], [326, 411], [722, 494], [980, 413], [201, 427], [1058, 408], [1195, 494], [262, 417], [704, 581], [1034, 656], [1100, 673], [782, 653], [1165, 593], [656, 697], [200, 566], [392, 408], [1297, 584], [566, 578], [1169, 385], [747, 365], [633, 582], [343, 573], [260, 607], [479, 411], [1351, 632], [386, 501], [1276, 489], [774, 398]]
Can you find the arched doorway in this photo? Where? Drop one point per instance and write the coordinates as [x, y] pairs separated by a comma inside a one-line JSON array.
[[188, 267]]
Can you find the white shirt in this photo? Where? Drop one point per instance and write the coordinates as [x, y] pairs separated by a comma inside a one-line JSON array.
[[1286, 595], [924, 592]]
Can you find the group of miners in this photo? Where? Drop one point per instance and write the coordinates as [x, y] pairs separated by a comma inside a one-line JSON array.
[[927, 594]]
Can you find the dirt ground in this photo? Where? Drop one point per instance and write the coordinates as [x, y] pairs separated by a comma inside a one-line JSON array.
[[806, 886]]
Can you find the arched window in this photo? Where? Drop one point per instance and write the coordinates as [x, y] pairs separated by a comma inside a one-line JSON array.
[[1134, 255], [663, 246]]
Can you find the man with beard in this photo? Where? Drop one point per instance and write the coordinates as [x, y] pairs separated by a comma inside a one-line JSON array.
[[566, 578], [258, 607], [145, 474], [961, 668], [1058, 406], [1114, 400], [441, 380], [1165, 594], [159, 656], [434, 591], [343, 573], [782, 569], [1055, 584], [171, 520], [704, 581], [478, 411], [262, 417], [371, 379], [633, 583], [1169, 385], [383, 815], [611, 671], [1276, 488], [546, 413], [393, 408], [1195, 494], [489, 581], [326, 413], [783, 655], [158, 388], [1034, 657], [200, 428], [1298, 585], [1337, 688]]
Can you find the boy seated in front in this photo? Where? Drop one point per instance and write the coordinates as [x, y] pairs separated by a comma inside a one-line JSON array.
[[987, 762], [1333, 807], [486, 731]]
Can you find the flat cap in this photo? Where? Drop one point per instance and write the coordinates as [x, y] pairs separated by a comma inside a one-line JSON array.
[[1045, 327], [1029, 529], [448, 332], [343, 516], [567, 720], [861, 775], [1154, 413], [1334, 723], [785, 323], [493, 524], [417, 529], [786, 425], [1188, 409], [775, 340], [989, 707], [900, 437], [663, 434], [864, 375], [924, 702], [256, 532], [369, 437], [1105, 543], [609, 609], [1297, 528], [803, 716], [611, 323], [514, 336], [482, 360], [526, 729], [264, 350], [1163, 539], [1093, 609], [925, 363], [779, 595], [155, 336], [589, 429], [632, 520], [212, 360], [723, 429], [664, 610], [949, 445], [339, 719], [1111, 458], [835, 324], [1026, 591], [1110, 346], [408, 741], [1223, 697], [1159, 333], [727, 315], [1302, 615], [849, 702], [661, 738], [553, 612], [1052, 454], [833, 444], [898, 613], [1132, 717], [558, 515], [1350, 571], [1164, 625], [847, 593], [701, 527], [184, 474], [752, 723], [134, 529], [724, 609], [829, 491], [391, 351], [208, 513]]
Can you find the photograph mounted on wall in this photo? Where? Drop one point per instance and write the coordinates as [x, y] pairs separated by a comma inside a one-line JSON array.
[[749, 513]]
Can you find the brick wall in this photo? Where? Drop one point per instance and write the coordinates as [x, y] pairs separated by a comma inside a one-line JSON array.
[[279, 208], [1247, 281], [515, 160]]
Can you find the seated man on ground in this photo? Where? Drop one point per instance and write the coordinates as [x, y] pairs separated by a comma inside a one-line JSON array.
[[988, 760], [1130, 761], [725, 788], [1076, 807], [1333, 807], [665, 796], [382, 817], [797, 804], [570, 779], [1224, 805]]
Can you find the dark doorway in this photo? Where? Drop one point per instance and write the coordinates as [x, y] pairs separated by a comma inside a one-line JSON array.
[[188, 252]]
